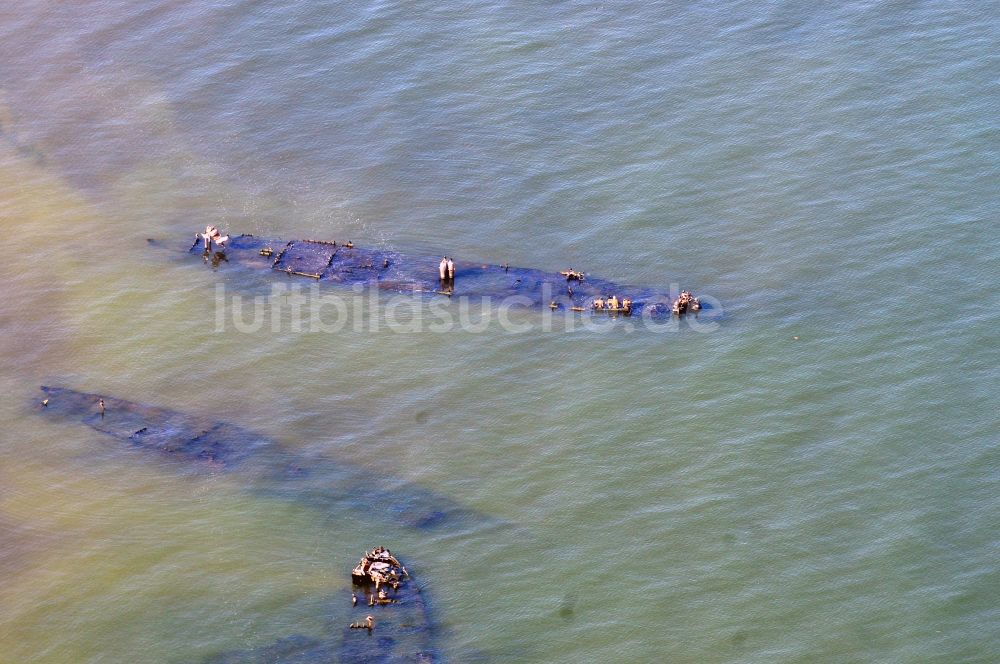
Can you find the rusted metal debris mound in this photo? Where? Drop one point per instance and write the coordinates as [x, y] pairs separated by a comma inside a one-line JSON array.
[[381, 568]]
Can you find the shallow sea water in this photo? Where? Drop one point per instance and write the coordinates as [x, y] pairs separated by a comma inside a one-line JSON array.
[[812, 478]]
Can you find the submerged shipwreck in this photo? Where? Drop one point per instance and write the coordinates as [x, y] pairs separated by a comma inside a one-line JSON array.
[[393, 625], [396, 611], [400, 624], [267, 467], [330, 262]]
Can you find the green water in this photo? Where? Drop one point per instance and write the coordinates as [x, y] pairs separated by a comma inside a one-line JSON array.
[[813, 479]]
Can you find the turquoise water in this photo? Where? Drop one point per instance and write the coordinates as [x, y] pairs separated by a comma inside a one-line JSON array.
[[816, 478]]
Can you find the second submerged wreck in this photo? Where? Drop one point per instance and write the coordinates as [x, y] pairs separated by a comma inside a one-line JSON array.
[[401, 628], [266, 466]]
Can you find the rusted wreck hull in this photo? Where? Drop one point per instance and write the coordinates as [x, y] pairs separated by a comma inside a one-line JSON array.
[[332, 263], [268, 467]]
